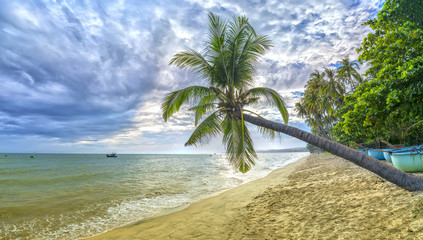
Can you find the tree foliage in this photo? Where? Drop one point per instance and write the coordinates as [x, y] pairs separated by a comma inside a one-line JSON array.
[[324, 96], [393, 100]]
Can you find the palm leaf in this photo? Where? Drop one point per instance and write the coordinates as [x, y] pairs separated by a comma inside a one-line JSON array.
[[273, 98], [254, 47], [217, 50], [239, 145], [205, 105], [266, 132], [239, 31], [210, 127], [173, 101], [193, 60]]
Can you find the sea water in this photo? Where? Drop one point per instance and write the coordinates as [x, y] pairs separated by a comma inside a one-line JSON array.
[[75, 196]]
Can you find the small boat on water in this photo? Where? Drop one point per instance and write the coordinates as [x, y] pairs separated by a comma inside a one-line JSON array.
[[112, 155], [408, 160]]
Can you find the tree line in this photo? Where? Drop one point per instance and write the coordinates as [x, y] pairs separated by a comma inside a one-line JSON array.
[[387, 102]]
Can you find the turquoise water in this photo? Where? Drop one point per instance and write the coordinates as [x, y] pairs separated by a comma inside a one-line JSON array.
[[74, 196]]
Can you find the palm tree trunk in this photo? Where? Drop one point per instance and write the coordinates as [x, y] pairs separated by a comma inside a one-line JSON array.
[[393, 175]]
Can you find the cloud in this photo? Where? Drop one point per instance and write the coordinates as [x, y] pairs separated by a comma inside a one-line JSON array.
[[94, 73]]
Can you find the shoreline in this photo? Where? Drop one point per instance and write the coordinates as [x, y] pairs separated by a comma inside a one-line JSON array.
[[317, 196], [282, 173]]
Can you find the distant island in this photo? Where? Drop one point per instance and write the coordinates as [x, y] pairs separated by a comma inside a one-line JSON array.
[[298, 149]]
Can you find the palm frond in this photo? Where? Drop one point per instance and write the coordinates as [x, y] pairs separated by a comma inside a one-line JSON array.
[[239, 145], [193, 60], [210, 127], [268, 133], [217, 50], [173, 101], [273, 98], [253, 49], [239, 31], [205, 105], [217, 33]]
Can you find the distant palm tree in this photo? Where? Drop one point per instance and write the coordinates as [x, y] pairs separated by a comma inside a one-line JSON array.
[[301, 110], [316, 80], [228, 66], [349, 74], [334, 88]]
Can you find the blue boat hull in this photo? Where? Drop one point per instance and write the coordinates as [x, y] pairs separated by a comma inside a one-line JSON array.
[[363, 150], [387, 156], [408, 161], [389, 151], [376, 154]]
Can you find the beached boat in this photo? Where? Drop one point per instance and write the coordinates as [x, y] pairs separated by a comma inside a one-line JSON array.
[[376, 153], [363, 150], [408, 160], [113, 155], [387, 152], [387, 156]]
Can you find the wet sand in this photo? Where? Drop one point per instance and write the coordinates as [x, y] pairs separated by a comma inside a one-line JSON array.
[[318, 197]]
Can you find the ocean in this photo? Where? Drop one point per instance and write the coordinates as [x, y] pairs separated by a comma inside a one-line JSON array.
[[75, 196]]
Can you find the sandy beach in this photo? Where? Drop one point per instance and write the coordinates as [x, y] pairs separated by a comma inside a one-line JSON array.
[[318, 197]]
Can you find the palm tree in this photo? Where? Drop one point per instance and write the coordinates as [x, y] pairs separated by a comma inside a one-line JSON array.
[[334, 89], [301, 110], [319, 99], [348, 72], [316, 80], [227, 66]]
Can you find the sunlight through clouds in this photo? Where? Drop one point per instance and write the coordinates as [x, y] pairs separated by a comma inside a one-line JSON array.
[[93, 73]]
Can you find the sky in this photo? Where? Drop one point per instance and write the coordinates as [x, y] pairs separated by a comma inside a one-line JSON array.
[[89, 76]]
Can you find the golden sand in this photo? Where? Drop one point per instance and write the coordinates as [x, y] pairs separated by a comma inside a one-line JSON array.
[[317, 197]]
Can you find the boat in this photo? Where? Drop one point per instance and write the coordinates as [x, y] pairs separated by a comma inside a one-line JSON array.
[[387, 156], [112, 155], [363, 150], [376, 153], [408, 160], [387, 152]]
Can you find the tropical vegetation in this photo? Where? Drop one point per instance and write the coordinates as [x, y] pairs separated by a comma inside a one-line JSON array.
[[390, 105], [324, 95], [227, 67], [387, 103]]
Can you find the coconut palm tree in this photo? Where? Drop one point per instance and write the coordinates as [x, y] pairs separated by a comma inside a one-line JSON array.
[[227, 66], [334, 89], [349, 74]]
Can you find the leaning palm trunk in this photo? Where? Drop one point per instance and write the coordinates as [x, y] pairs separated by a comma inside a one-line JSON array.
[[387, 172]]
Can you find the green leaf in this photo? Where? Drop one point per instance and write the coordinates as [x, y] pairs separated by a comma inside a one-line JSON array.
[[210, 127], [174, 100], [272, 97]]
